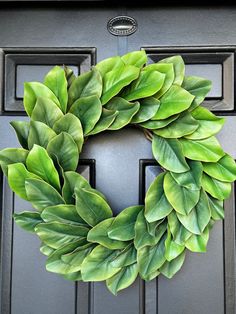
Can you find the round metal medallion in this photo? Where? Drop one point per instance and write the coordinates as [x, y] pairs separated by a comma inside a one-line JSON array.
[[122, 25]]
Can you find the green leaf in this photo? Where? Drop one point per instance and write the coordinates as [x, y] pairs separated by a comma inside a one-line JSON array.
[[173, 249], [41, 194], [99, 234], [109, 64], [199, 217], [106, 119], [169, 154], [97, 265], [22, 131], [17, 174], [181, 198], [122, 227], [116, 79], [70, 76], [32, 91], [76, 276], [148, 108], [126, 111], [88, 110], [136, 58], [169, 269], [56, 81], [208, 123], [208, 150], [91, 207], [156, 203], [142, 236], [39, 133], [168, 70], [174, 101], [179, 68], [182, 126], [217, 189], [62, 213], [64, 148], [190, 179], [10, 156], [179, 232], [123, 279], [46, 111], [27, 220], [125, 257], [56, 234], [217, 208], [147, 84], [73, 180], [151, 258], [157, 124], [224, 169], [45, 249], [70, 124], [197, 86], [85, 85], [198, 243], [39, 163]]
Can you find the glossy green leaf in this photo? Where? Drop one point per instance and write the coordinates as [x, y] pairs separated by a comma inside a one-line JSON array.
[[173, 249], [208, 150], [73, 180], [106, 119], [97, 265], [70, 124], [217, 208], [157, 124], [76, 276], [64, 148], [27, 220], [46, 250], [199, 217], [70, 76], [224, 169], [179, 68], [197, 86], [46, 111], [99, 234], [152, 227], [148, 108], [174, 101], [116, 79], [169, 269], [181, 198], [126, 111], [217, 189], [209, 124], [88, 110], [168, 70], [22, 131], [41, 194], [125, 257], [190, 179], [198, 243], [156, 203], [56, 234], [85, 85], [32, 91], [179, 232], [109, 64], [17, 175], [39, 163], [10, 156], [169, 154], [122, 227], [91, 207], [40, 134], [62, 213], [136, 58], [123, 279], [56, 81], [147, 84], [151, 258], [182, 126]]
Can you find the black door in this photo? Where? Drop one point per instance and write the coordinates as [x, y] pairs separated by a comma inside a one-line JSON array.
[[35, 37]]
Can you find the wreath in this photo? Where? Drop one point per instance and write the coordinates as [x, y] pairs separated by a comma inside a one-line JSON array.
[[80, 236]]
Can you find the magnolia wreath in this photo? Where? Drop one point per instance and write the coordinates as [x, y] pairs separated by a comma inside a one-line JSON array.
[[80, 236]]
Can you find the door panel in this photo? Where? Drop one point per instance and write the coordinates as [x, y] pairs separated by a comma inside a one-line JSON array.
[[120, 164]]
